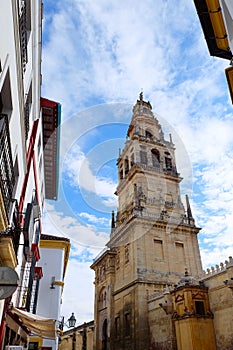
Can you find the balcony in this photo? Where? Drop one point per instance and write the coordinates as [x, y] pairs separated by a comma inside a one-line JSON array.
[[8, 257], [7, 177], [51, 119], [9, 240]]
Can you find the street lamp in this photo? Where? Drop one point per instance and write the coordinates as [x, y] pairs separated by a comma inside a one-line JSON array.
[[71, 322]]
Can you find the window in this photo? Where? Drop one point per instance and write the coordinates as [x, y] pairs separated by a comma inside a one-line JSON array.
[[155, 157], [169, 200], [33, 346], [105, 299], [180, 252], [127, 253], [126, 166], [118, 260], [168, 163], [40, 163], [27, 110], [149, 136], [117, 326], [16, 174], [121, 171], [127, 323], [104, 335], [158, 249], [25, 30], [200, 308], [102, 298], [7, 171], [5, 96], [132, 160], [143, 157]]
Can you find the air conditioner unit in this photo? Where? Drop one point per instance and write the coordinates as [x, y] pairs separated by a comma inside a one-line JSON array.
[[14, 347]]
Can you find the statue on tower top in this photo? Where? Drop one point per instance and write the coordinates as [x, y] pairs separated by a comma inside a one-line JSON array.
[[142, 102]]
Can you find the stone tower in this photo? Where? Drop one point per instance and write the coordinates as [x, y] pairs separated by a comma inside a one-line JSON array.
[[153, 237]]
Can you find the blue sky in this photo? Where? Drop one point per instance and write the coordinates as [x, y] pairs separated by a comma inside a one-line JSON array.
[[97, 56]]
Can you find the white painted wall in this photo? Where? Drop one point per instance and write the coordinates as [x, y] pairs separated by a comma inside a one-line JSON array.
[[10, 58], [49, 300]]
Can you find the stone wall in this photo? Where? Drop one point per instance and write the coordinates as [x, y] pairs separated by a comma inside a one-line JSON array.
[[219, 280], [78, 338], [162, 334]]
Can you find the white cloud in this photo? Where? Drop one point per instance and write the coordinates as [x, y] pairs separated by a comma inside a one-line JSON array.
[[78, 170], [78, 294], [94, 219], [82, 235], [105, 51]]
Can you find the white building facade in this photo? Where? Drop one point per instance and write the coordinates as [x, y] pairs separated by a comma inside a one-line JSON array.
[[25, 151], [54, 255]]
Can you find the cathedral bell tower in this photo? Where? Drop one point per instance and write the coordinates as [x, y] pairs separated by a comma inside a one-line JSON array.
[[153, 237]]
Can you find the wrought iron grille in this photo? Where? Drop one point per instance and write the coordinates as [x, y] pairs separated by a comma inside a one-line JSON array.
[[27, 108], [35, 289], [7, 177], [16, 227], [23, 34], [28, 289], [32, 289]]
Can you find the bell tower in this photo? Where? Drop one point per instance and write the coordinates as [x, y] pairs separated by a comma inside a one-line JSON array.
[[148, 181], [153, 237]]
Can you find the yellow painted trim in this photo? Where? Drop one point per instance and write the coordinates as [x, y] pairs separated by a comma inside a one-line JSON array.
[[3, 215], [36, 340], [7, 252], [59, 283], [229, 76], [56, 244], [218, 24]]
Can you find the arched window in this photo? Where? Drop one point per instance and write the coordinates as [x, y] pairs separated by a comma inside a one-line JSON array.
[[104, 335], [143, 157], [132, 160], [149, 135], [126, 166], [103, 298], [155, 157], [168, 161]]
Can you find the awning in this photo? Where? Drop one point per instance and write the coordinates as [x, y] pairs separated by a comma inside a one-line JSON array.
[[16, 327], [41, 326]]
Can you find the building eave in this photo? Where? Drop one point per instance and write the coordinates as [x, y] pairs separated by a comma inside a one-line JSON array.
[[210, 16], [51, 140], [54, 242]]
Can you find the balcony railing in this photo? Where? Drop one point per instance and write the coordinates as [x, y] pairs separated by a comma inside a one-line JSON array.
[[23, 35], [7, 177], [13, 231], [27, 109]]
